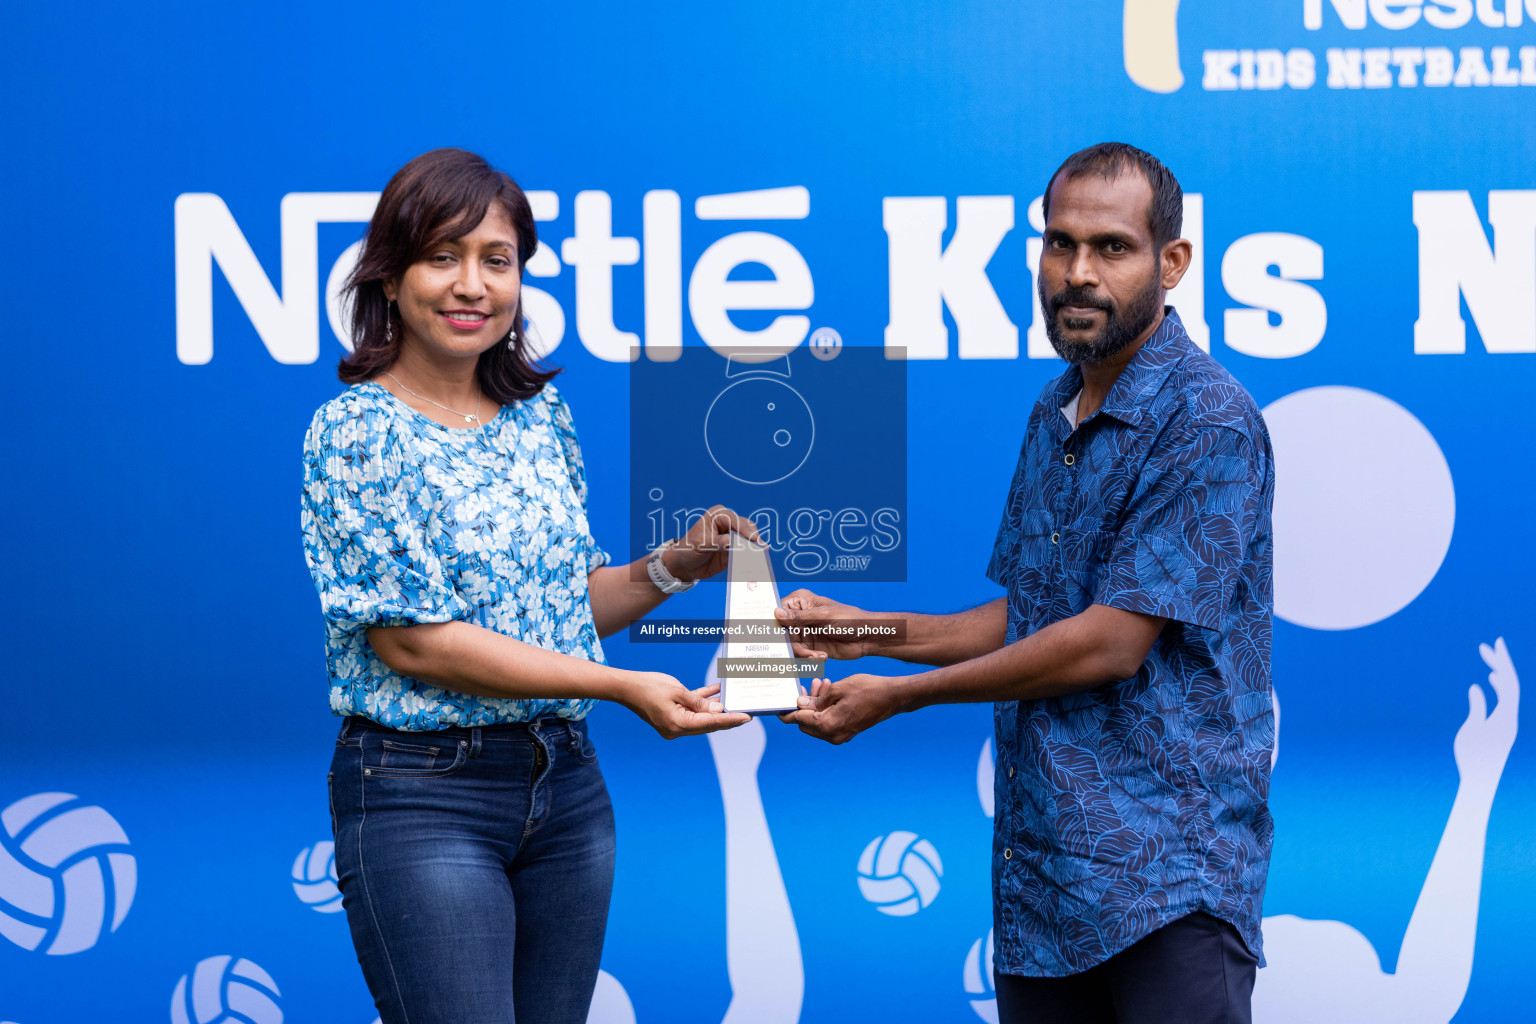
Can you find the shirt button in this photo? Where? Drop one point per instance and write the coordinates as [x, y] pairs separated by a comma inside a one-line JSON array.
[[1007, 854], [1055, 538], [1068, 458], [1010, 773]]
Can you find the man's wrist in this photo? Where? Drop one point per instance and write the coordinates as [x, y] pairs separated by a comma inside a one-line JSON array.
[[910, 693]]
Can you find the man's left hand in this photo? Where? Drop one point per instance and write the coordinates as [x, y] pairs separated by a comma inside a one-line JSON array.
[[837, 712]]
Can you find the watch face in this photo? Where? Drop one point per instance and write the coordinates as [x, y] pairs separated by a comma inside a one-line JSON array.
[[759, 430]]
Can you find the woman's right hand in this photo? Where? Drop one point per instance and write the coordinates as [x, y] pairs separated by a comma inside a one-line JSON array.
[[673, 710]]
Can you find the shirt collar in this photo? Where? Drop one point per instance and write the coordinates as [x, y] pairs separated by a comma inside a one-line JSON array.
[[1140, 379], [1147, 370]]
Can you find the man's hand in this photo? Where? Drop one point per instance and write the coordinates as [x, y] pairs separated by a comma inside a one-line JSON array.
[[673, 710], [837, 712], [704, 550], [802, 612]]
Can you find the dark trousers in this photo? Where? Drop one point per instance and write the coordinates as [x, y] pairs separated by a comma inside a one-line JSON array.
[[1193, 971]]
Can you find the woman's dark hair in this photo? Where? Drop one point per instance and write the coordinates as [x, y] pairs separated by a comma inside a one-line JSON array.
[[437, 197]]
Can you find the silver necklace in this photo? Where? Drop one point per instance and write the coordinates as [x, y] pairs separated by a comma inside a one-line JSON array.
[[467, 417]]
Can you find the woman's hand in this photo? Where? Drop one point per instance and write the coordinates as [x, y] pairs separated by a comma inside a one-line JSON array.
[[674, 710], [705, 549]]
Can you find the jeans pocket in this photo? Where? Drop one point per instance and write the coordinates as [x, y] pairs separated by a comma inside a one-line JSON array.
[[582, 747], [430, 759]]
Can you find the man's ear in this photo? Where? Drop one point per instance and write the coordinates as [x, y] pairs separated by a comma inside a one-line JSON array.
[[1175, 259]]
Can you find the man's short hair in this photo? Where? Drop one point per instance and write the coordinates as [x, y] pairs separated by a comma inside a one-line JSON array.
[[1165, 215]]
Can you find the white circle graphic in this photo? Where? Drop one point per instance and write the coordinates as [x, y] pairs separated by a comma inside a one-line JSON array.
[[900, 873], [1364, 507], [986, 773], [314, 877], [980, 980], [65, 873], [223, 990]]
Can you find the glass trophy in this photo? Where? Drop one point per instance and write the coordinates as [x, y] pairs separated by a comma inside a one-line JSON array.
[[755, 643]]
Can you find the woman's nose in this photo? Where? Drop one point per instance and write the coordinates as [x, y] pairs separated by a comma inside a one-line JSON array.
[[469, 283]]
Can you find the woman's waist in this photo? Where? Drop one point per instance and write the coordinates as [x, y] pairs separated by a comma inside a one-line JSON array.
[[544, 725]]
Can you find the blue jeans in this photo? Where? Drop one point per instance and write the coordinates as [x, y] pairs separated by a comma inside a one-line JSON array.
[[475, 868]]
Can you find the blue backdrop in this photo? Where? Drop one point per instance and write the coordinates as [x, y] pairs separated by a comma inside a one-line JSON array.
[[1363, 206]]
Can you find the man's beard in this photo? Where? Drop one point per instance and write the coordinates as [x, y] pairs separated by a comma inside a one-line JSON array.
[[1121, 326]]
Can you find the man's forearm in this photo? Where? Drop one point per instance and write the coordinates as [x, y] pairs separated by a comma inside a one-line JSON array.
[[947, 639], [1101, 645]]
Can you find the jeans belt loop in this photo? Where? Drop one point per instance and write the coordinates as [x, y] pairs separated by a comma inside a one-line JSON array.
[[474, 741]]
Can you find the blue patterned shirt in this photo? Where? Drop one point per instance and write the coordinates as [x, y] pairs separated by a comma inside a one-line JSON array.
[[407, 521], [1126, 807]]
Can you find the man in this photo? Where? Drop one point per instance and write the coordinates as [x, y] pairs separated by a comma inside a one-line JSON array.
[[1129, 659]]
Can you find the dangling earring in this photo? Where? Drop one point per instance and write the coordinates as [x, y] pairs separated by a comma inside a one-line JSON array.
[[389, 330], [512, 335]]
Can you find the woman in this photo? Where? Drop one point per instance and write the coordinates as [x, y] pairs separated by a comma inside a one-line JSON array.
[[445, 525]]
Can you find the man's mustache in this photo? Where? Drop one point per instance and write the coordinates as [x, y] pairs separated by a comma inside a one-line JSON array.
[[1080, 297]]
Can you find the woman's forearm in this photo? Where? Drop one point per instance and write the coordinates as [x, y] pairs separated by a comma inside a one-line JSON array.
[[471, 659], [620, 595]]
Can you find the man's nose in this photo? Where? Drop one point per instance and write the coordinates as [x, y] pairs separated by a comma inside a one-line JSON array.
[[1082, 272]]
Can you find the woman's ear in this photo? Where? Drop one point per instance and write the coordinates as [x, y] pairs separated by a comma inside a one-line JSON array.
[[391, 289]]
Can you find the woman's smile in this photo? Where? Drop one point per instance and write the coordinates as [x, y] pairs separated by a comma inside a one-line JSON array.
[[465, 319]]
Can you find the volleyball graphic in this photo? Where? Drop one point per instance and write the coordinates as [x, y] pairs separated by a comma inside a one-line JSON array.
[[900, 873], [223, 990], [979, 984], [314, 877], [66, 873]]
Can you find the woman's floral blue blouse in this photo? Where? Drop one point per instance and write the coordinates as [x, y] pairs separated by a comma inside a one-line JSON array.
[[407, 521]]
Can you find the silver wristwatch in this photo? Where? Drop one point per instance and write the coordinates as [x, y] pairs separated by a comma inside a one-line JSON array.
[[657, 570]]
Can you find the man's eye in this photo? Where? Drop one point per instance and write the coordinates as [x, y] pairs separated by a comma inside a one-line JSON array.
[[1116, 247], [1059, 244]]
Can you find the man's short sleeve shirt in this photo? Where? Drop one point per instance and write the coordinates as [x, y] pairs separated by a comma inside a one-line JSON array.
[[1126, 807]]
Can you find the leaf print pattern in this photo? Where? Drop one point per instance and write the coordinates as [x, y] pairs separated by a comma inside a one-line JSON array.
[[1129, 806], [406, 521]]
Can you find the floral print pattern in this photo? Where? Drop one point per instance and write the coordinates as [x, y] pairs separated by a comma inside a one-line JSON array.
[[406, 521], [1126, 807]]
